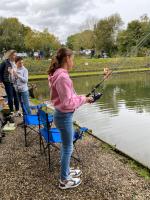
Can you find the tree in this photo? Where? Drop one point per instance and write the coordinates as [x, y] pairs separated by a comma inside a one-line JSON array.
[[11, 34], [135, 37], [71, 42], [82, 40], [15, 35], [36, 40], [106, 31], [89, 24]]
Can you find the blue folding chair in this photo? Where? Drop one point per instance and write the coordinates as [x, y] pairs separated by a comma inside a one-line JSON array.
[[52, 136], [31, 121]]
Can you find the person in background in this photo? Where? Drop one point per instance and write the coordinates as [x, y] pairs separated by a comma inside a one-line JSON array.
[[92, 53], [21, 82], [65, 101], [7, 68]]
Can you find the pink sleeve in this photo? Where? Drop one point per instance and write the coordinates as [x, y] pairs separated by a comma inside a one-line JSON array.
[[67, 96]]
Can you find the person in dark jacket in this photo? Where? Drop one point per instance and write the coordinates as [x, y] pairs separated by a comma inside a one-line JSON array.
[[7, 69]]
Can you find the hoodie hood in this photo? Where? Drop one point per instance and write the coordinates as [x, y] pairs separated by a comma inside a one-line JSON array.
[[57, 74]]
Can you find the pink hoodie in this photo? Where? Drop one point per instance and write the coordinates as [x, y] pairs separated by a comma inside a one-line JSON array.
[[63, 95]]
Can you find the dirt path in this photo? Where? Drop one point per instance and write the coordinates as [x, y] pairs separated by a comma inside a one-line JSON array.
[[24, 173]]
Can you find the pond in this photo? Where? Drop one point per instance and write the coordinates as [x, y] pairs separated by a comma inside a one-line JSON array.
[[121, 117]]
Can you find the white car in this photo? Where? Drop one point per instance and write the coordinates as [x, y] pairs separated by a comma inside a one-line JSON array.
[[87, 52], [24, 55], [36, 54]]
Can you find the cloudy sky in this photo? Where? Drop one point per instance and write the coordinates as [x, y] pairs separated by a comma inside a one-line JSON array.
[[65, 17]]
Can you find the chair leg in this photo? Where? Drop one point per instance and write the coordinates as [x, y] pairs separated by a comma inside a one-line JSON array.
[[43, 146], [40, 143], [49, 156], [25, 135]]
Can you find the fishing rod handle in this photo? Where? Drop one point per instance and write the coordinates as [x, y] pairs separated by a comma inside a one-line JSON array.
[[89, 94]]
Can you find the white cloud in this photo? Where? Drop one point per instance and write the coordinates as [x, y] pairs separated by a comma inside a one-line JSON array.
[[13, 6], [64, 17]]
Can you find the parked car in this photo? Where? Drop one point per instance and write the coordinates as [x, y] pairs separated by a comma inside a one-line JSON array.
[[36, 54], [23, 54], [85, 52], [88, 52]]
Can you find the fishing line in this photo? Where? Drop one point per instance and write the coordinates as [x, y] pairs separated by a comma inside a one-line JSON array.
[[109, 72]]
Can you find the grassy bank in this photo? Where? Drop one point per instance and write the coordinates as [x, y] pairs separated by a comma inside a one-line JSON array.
[[73, 75], [82, 74], [82, 64]]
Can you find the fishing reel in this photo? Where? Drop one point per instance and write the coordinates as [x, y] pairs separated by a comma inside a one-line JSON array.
[[96, 96]]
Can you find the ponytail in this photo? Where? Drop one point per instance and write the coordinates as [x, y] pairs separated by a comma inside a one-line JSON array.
[[59, 59], [53, 66]]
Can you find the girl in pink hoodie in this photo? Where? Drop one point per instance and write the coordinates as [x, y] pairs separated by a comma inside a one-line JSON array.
[[65, 101]]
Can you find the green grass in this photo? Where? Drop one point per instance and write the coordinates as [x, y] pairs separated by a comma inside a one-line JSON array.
[[142, 171], [35, 101], [82, 64], [73, 75], [38, 77], [81, 74]]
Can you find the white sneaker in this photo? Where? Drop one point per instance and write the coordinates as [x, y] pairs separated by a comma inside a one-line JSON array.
[[75, 172], [71, 183]]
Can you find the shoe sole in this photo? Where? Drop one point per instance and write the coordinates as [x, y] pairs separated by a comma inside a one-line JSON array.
[[65, 188]]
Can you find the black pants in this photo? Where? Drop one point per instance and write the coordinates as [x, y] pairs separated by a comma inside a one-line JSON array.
[[12, 97]]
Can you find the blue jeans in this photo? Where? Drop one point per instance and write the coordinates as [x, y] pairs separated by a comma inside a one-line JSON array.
[[24, 98], [64, 122], [12, 97]]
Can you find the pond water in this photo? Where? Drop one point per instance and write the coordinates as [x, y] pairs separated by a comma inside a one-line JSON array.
[[121, 117]]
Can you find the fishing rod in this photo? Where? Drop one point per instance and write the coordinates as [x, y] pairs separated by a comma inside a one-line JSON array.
[[99, 84], [98, 95]]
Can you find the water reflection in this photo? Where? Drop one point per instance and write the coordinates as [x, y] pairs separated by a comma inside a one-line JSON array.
[[132, 89]]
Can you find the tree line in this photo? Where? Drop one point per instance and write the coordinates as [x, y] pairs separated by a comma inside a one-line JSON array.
[[15, 35], [109, 35]]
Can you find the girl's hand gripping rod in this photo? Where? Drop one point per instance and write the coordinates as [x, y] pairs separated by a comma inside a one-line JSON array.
[[95, 95]]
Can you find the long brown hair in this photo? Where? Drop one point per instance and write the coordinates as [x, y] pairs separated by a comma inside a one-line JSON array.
[[59, 59]]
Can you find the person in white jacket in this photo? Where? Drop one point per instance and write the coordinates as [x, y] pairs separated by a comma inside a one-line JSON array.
[[21, 79]]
